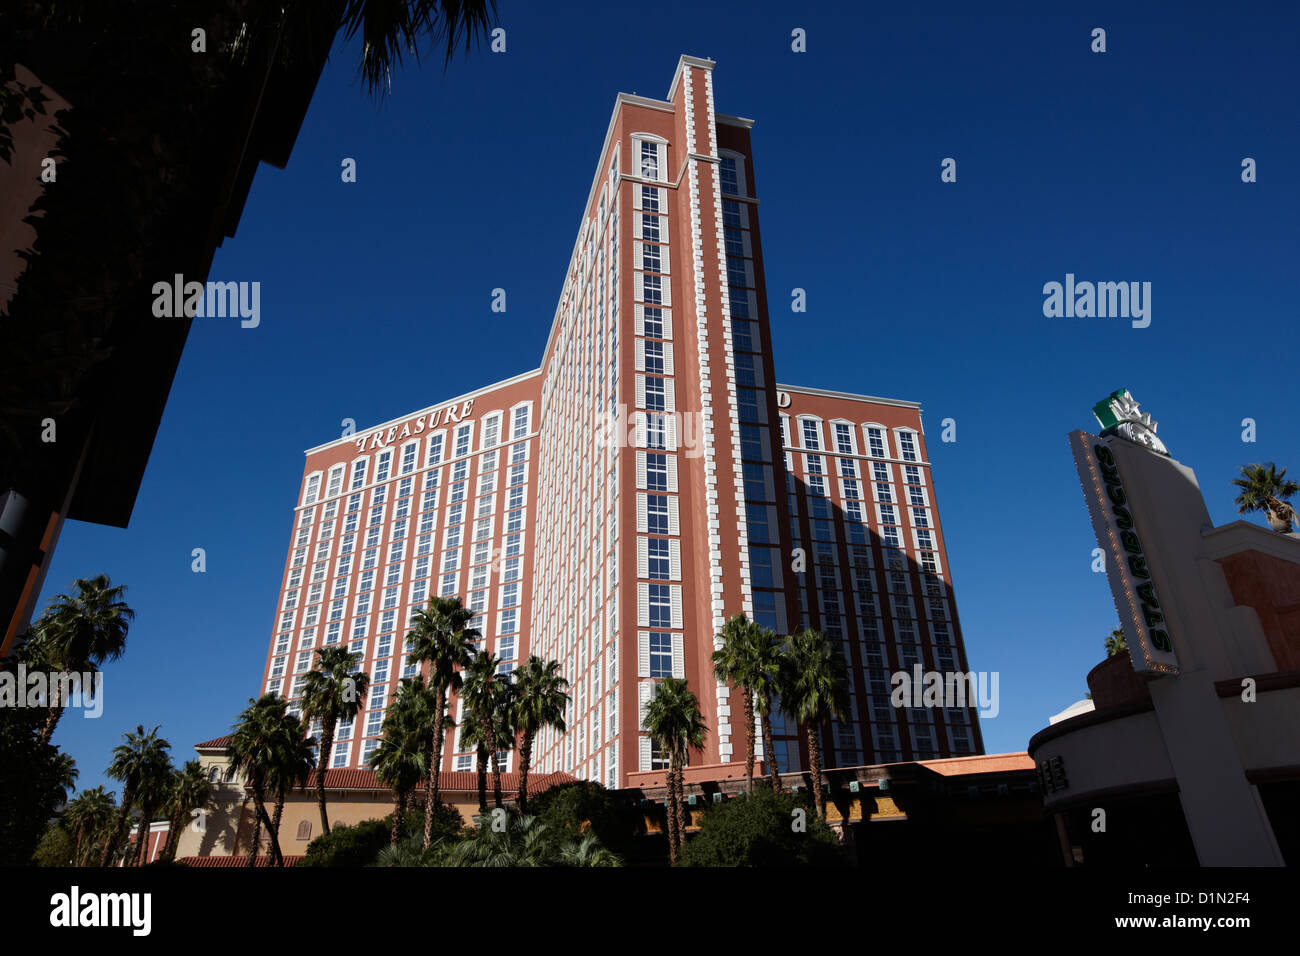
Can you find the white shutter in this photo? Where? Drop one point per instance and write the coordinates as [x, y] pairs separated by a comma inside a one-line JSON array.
[[636, 217], [663, 199], [670, 396], [642, 653], [672, 472], [638, 318], [663, 256], [662, 150], [644, 692], [668, 294], [643, 562], [638, 286], [676, 592], [641, 519], [640, 469], [644, 743], [670, 432], [672, 517], [668, 354], [679, 656], [668, 321], [636, 197], [637, 261], [643, 604], [674, 559], [639, 355], [640, 424], [640, 391]]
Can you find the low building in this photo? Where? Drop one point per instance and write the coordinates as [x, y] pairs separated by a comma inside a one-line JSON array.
[[1190, 753]]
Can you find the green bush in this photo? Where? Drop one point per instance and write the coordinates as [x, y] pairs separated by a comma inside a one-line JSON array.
[[758, 830], [361, 844], [587, 807], [55, 848]]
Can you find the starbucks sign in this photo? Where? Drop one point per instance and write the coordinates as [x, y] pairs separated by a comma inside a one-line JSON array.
[[1127, 562]]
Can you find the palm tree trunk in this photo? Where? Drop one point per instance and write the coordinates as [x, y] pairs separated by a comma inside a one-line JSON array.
[[682, 813], [769, 754], [749, 739], [435, 766], [489, 734], [815, 765], [259, 802], [128, 798], [481, 769], [173, 835], [326, 747], [670, 805], [257, 838], [275, 821], [398, 813], [525, 758], [51, 721]]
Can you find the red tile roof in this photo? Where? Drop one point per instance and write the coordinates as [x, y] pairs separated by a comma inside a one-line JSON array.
[[456, 781], [216, 743], [234, 861]]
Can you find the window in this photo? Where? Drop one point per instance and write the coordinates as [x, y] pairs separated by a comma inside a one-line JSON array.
[[649, 160], [876, 441], [907, 445], [383, 462], [657, 514], [658, 567], [660, 605], [520, 428], [811, 438], [661, 654], [463, 435], [656, 471]]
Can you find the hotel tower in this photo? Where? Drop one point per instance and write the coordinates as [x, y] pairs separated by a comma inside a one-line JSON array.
[[612, 508]]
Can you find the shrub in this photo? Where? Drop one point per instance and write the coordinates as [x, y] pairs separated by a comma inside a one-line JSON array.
[[361, 844], [587, 807], [757, 830]]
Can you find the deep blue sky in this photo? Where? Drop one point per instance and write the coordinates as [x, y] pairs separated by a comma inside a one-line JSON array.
[[376, 295]]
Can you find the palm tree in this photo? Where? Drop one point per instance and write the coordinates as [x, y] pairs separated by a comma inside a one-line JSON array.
[[815, 681], [483, 694], [190, 791], [442, 639], [292, 762], [399, 758], [88, 813], [749, 658], [256, 749], [80, 631], [673, 718], [136, 764], [153, 792], [1264, 488], [389, 28], [539, 702], [332, 691], [1116, 643]]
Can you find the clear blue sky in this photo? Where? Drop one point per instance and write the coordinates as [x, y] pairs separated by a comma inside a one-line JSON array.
[[376, 295]]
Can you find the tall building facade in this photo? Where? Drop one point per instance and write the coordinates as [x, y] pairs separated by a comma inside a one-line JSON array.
[[611, 509]]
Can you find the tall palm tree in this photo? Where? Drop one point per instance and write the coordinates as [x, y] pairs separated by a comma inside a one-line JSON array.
[[88, 813], [77, 632], [673, 718], [255, 750], [749, 658], [398, 760], [483, 693], [539, 702], [1264, 488], [292, 762], [1116, 643], [815, 683], [332, 691], [190, 791], [135, 763], [443, 639], [153, 792]]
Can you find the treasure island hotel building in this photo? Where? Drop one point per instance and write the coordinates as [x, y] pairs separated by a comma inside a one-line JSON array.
[[612, 508]]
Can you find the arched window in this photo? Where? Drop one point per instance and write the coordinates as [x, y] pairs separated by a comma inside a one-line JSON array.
[[732, 171], [650, 154], [304, 830], [214, 775]]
